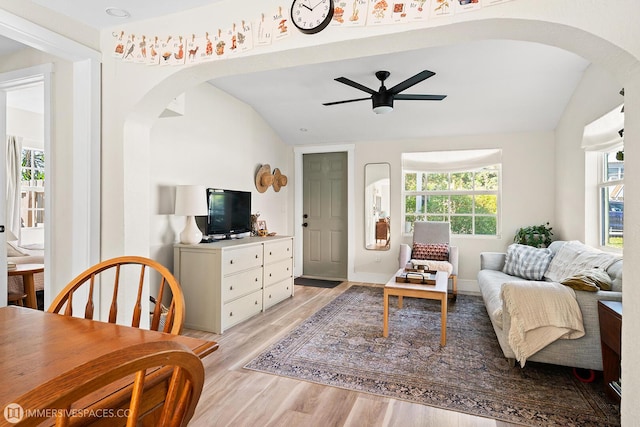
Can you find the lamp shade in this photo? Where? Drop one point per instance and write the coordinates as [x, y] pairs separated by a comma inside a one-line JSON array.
[[191, 200]]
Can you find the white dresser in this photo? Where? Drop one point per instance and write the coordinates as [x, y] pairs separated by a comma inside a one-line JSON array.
[[229, 281]]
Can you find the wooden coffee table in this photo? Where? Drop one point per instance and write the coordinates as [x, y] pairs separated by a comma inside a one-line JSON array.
[[436, 292]]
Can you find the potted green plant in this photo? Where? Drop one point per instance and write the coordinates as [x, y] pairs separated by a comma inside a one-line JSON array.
[[538, 236]]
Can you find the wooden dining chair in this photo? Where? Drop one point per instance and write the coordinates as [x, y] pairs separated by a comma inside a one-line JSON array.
[[165, 319], [62, 396]]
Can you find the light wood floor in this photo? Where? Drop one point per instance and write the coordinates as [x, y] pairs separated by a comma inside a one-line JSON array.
[[234, 396]]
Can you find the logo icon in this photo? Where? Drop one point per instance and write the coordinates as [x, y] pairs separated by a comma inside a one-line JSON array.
[[13, 413]]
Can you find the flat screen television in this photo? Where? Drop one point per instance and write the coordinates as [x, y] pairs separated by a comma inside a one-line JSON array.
[[229, 213]]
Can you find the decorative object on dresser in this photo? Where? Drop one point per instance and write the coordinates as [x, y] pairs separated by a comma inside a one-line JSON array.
[[229, 281], [191, 201]]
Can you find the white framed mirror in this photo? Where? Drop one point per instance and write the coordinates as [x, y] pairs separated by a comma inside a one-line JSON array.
[[377, 233]]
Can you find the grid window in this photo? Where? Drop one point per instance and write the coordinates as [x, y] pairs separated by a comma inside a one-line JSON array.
[[32, 188], [467, 199]]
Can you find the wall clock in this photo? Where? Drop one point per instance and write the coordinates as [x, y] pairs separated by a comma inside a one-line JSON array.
[[311, 16]]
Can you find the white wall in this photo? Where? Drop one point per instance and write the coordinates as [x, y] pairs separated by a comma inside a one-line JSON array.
[[528, 188], [220, 142], [577, 196], [28, 125]]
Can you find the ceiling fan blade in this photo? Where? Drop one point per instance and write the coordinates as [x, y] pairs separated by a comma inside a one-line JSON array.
[[357, 85], [348, 100], [407, 96], [423, 75]]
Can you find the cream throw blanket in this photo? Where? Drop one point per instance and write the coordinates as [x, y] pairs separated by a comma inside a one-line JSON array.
[[541, 312], [575, 257]]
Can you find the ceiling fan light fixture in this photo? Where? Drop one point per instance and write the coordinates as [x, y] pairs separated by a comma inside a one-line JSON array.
[[382, 109], [382, 102]]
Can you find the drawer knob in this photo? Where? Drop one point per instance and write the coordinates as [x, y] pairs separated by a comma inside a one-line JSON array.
[[256, 256], [231, 314], [269, 296], [270, 253], [230, 288], [256, 302], [230, 261], [269, 274], [256, 279]]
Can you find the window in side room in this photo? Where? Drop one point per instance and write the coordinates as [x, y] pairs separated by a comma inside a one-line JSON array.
[[612, 199], [32, 187]]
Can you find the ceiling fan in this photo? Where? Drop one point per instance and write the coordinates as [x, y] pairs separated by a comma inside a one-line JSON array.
[[383, 98]]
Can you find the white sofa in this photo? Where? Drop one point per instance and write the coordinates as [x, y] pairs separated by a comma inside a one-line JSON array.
[[584, 352]]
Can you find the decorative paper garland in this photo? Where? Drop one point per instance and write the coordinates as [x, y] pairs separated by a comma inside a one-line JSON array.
[[267, 28]]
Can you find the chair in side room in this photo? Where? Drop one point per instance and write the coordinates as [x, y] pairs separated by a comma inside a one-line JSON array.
[[167, 370], [431, 248], [168, 319]]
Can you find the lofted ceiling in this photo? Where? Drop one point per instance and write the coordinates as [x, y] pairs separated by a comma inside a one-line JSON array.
[[492, 86]]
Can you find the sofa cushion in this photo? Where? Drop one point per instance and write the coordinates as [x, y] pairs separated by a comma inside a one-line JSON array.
[[526, 261], [432, 251], [591, 280], [490, 282]]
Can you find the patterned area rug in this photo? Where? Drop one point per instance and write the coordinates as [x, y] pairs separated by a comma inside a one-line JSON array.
[[342, 346]]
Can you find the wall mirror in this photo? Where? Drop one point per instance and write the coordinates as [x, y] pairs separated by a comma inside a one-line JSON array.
[[376, 206]]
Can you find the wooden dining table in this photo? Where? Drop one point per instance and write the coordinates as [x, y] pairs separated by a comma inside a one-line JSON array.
[[37, 346]]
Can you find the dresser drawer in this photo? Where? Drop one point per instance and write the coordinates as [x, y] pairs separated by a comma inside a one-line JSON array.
[[278, 292], [241, 259], [274, 251], [277, 271], [239, 284], [241, 309]]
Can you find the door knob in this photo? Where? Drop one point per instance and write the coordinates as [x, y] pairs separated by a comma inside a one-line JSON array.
[[305, 216], [305, 224]]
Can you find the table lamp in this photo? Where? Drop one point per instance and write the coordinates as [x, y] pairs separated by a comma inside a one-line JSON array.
[[191, 200]]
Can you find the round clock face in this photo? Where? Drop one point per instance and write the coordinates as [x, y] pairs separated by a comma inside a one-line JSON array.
[[311, 16]]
